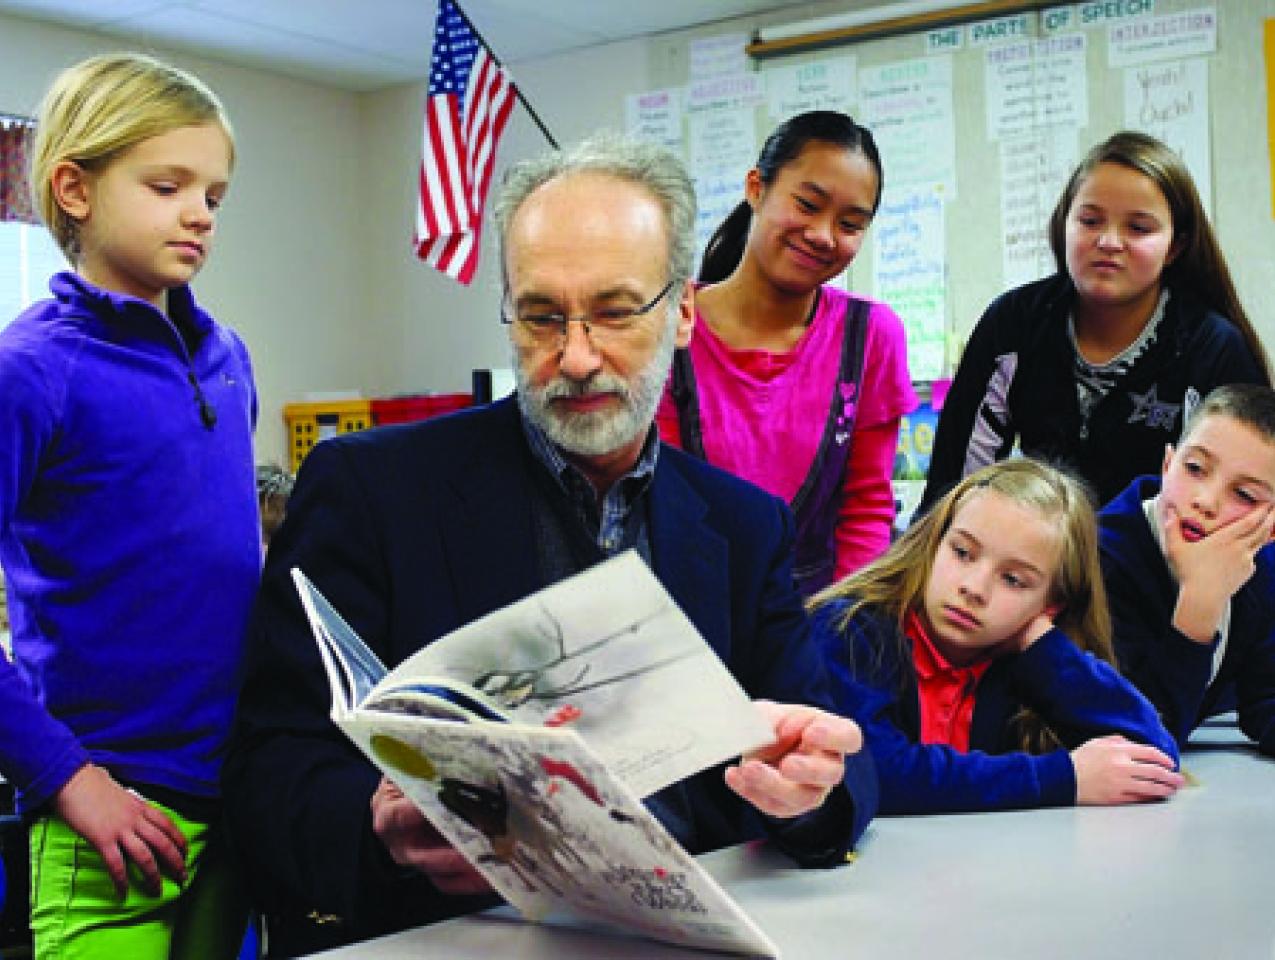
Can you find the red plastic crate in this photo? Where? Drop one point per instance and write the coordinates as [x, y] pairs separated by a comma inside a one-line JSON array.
[[407, 409]]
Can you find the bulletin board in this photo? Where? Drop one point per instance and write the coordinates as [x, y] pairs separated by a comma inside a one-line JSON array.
[[979, 125]]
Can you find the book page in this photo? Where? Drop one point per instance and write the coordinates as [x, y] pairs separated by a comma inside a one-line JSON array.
[[352, 669], [553, 832], [609, 654]]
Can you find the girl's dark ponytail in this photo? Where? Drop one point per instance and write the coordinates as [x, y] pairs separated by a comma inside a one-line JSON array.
[[725, 247]]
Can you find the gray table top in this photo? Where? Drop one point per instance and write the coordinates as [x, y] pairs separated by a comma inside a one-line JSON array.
[[1187, 878]]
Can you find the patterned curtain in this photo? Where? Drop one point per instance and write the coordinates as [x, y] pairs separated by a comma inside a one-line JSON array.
[[16, 137]]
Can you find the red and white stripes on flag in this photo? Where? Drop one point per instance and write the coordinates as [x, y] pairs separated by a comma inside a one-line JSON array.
[[470, 98]]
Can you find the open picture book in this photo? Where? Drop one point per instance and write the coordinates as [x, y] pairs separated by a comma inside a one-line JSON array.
[[529, 737]]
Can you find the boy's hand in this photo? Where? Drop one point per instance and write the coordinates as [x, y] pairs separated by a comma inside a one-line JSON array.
[[1115, 770], [122, 826], [412, 842], [1211, 570], [794, 774]]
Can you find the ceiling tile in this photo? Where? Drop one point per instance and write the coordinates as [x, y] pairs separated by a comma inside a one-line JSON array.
[[323, 60], [81, 12], [383, 27], [365, 44]]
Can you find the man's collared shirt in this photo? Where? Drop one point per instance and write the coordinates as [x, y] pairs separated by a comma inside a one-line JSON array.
[[615, 524], [607, 521]]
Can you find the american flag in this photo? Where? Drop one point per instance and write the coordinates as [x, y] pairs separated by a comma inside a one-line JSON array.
[[470, 96]]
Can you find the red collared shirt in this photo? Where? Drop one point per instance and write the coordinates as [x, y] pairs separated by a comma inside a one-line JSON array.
[[945, 692]]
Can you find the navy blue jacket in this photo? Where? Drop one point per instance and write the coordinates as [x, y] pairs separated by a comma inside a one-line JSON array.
[[1169, 667], [415, 530], [1077, 695]]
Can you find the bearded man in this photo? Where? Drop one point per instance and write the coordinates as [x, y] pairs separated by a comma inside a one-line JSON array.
[[415, 530]]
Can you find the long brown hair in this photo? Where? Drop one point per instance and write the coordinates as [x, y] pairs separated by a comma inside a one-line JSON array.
[[1199, 265], [895, 583]]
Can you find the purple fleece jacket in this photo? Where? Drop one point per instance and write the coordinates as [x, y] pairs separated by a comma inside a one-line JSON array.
[[129, 539]]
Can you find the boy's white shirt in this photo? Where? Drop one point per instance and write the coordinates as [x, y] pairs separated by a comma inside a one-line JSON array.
[[1149, 507]]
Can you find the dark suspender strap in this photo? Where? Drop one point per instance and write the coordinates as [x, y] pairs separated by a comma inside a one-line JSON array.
[[851, 371], [686, 399], [852, 361]]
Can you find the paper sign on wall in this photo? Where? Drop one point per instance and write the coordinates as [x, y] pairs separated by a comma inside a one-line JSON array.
[[1036, 84], [819, 85], [908, 273], [1034, 169], [720, 56], [908, 107], [655, 117], [1171, 101], [1191, 33]]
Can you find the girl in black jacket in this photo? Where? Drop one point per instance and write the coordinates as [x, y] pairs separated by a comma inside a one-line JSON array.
[[1098, 365]]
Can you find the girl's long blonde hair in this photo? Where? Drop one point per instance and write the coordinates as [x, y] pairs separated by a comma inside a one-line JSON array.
[[895, 583]]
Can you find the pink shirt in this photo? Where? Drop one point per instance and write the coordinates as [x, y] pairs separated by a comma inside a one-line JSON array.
[[763, 416]]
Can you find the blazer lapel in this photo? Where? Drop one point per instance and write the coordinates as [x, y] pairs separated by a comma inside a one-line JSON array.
[[691, 558], [487, 530]]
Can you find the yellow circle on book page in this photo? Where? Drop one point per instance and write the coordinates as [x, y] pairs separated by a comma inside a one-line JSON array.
[[403, 757]]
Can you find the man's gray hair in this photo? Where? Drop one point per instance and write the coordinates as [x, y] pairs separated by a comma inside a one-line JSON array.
[[656, 168]]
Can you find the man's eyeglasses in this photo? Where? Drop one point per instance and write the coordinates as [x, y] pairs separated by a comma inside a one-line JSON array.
[[546, 326]]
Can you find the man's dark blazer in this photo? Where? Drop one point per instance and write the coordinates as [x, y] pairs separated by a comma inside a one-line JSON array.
[[412, 531]]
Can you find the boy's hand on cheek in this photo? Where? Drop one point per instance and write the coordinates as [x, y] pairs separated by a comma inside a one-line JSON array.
[[1211, 570]]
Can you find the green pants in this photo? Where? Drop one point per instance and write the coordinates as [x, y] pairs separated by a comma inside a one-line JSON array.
[[76, 913]]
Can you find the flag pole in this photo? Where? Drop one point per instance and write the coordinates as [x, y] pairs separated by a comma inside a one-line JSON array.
[[517, 89]]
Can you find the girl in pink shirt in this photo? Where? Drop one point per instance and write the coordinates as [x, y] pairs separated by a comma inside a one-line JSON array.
[[787, 382]]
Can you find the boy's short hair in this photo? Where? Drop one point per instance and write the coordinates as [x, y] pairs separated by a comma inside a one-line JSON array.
[[102, 106], [274, 486], [1251, 404]]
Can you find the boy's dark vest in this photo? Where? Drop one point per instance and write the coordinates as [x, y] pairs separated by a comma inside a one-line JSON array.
[[816, 503]]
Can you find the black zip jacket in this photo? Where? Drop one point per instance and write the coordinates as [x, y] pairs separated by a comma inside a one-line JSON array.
[[1015, 388]]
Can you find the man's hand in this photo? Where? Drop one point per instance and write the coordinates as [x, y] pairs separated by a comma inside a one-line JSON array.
[[122, 826], [1211, 570], [795, 773], [412, 842]]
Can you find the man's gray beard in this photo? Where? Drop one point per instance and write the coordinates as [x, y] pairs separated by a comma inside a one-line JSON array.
[[597, 434]]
